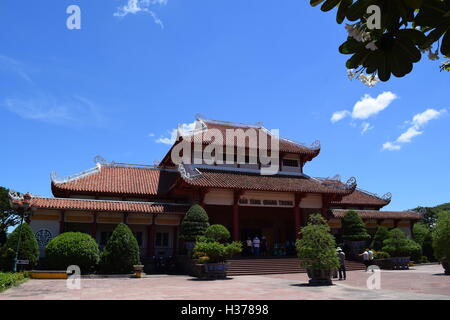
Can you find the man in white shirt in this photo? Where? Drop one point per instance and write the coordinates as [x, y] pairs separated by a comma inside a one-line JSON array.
[[256, 244], [366, 258]]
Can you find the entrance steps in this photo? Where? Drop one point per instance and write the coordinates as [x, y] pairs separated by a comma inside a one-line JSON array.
[[274, 265]]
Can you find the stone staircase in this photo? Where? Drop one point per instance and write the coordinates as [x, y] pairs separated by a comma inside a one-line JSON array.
[[274, 265]]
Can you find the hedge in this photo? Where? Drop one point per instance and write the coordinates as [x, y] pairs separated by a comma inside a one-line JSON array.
[[8, 280], [72, 248]]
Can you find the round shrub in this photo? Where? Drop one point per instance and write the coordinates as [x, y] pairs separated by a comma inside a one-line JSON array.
[[121, 252], [194, 224], [441, 236], [214, 252], [353, 227], [381, 255], [398, 245], [29, 248], [72, 248], [218, 232]]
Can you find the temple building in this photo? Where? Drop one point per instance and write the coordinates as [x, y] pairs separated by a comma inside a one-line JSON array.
[[152, 200]]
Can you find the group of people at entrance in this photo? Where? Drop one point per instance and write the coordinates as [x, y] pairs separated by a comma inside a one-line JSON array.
[[256, 247]]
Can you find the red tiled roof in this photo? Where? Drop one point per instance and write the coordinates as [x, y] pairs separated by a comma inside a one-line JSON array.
[[105, 205], [254, 181], [375, 214], [284, 144], [359, 197], [119, 180]]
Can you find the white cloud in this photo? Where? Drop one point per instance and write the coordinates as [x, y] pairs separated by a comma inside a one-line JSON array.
[[15, 66], [390, 146], [417, 123], [408, 135], [365, 126], [182, 129], [368, 106], [140, 6], [76, 111], [339, 115]]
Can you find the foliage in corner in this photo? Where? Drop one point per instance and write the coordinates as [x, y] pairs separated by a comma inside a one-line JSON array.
[[387, 37], [441, 236], [8, 217]]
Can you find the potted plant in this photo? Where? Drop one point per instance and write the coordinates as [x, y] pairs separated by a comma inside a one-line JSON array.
[[194, 224], [354, 233], [382, 259], [316, 251], [212, 252], [138, 269], [441, 240]]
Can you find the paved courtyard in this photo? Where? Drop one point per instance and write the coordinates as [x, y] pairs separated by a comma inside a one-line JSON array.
[[421, 282]]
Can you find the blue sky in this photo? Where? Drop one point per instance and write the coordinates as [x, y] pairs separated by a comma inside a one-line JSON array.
[[128, 77]]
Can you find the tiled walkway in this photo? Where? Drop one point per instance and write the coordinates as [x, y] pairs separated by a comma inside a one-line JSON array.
[[422, 282]]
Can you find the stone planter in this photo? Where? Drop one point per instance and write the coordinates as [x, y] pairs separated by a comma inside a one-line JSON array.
[[400, 263], [138, 268], [212, 270], [383, 263], [319, 277], [446, 265]]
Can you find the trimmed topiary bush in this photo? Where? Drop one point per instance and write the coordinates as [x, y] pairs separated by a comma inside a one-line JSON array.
[[29, 249], [381, 235], [353, 227], [215, 252], [317, 248], [398, 245], [72, 248], [121, 252], [218, 232], [194, 224]]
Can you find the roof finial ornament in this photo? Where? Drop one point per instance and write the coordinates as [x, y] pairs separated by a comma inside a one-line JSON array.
[[387, 197], [199, 116], [351, 183], [99, 159], [14, 195], [315, 145], [337, 177]]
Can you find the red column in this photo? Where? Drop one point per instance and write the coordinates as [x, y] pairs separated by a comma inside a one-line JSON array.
[[175, 241], [235, 222], [151, 237], [61, 222], [297, 217], [94, 227]]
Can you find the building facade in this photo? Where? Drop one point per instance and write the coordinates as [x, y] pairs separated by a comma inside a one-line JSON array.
[[152, 200]]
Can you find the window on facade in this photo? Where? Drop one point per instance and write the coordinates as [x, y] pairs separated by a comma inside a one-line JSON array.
[[285, 203], [255, 201], [270, 202], [290, 163], [138, 236], [162, 239], [243, 201]]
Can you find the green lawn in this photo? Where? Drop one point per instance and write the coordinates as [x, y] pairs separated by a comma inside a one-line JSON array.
[[8, 280]]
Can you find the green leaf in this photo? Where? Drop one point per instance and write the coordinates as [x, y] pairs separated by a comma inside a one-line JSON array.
[[356, 60], [445, 45], [314, 3], [350, 46], [342, 10], [408, 49], [416, 36], [415, 4], [384, 72], [329, 4], [357, 10]]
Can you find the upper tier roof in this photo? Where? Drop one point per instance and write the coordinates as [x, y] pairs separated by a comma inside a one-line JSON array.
[[375, 214], [117, 180], [201, 135]]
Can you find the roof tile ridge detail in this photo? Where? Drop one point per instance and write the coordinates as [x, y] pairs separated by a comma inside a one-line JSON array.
[[110, 201], [56, 179]]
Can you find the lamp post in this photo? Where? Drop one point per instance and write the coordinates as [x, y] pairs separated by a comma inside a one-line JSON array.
[[23, 210]]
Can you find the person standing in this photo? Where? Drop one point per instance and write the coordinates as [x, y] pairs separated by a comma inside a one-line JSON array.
[[263, 246], [341, 256], [370, 252], [365, 256], [249, 246], [256, 246]]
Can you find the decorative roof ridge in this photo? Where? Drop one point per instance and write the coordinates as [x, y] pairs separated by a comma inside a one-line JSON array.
[[56, 178], [114, 164], [373, 210], [386, 197], [349, 185], [111, 201]]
